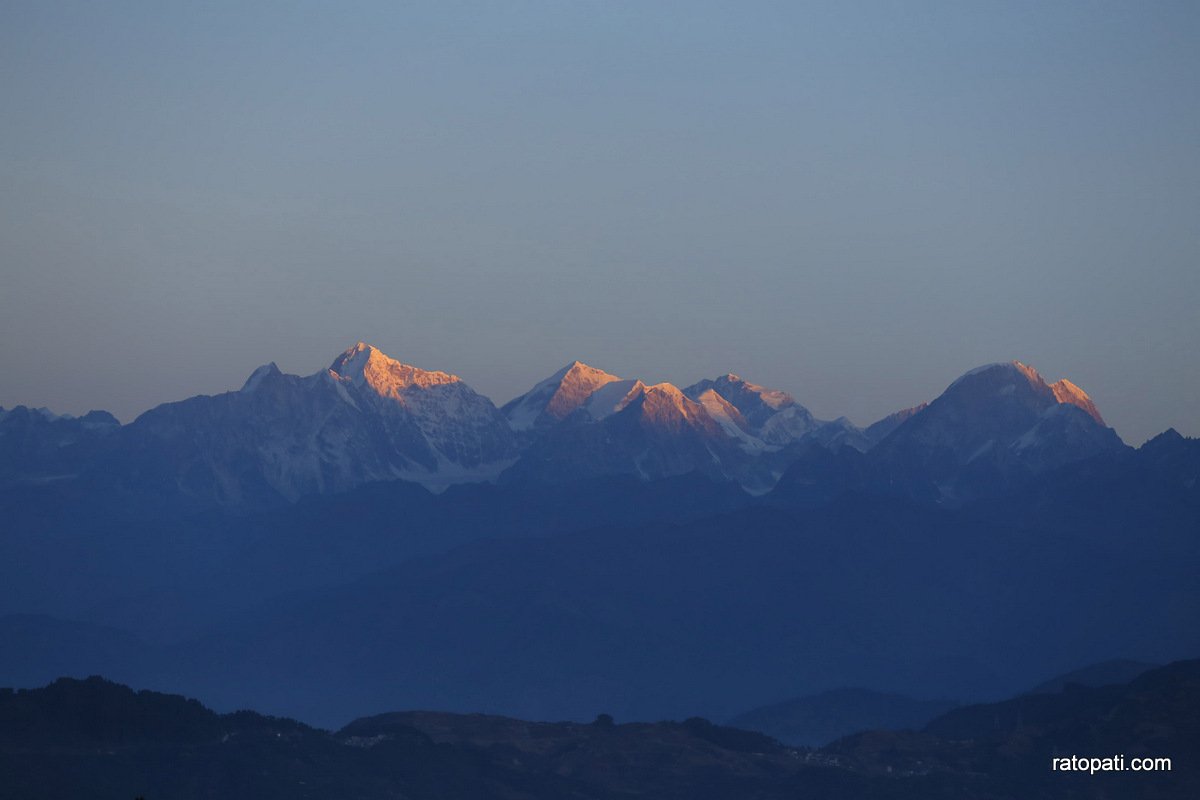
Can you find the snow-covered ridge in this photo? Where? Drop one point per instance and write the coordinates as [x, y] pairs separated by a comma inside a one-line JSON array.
[[371, 417], [756, 418], [1013, 368], [1067, 392], [1063, 391], [363, 364]]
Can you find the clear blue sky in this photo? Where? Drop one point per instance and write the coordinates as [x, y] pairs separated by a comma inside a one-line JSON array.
[[852, 201]]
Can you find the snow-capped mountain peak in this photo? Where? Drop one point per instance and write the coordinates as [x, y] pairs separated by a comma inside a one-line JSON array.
[[995, 423], [1007, 377], [369, 417], [670, 393], [666, 404], [1000, 371], [366, 365], [756, 403], [771, 415], [556, 397]]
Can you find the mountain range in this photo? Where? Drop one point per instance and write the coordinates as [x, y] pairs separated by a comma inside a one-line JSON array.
[[379, 536], [370, 418]]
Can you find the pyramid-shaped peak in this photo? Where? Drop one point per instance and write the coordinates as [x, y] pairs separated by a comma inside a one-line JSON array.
[[668, 389], [1169, 435], [1167, 442], [364, 364], [263, 373], [579, 371], [353, 359], [663, 409], [556, 397], [667, 399], [669, 395], [577, 383]]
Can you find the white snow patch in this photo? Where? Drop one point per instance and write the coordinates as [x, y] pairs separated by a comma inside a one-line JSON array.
[[718, 408], [612, 397]]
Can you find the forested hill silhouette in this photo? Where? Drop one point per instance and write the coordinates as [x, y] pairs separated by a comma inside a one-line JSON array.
[[94, 738]]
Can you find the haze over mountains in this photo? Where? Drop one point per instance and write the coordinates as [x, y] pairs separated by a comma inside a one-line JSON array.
[[381, 536]]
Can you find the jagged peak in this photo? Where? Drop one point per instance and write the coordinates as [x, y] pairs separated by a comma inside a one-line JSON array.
[[266, 371], [364, 364], [750, 399], [40, 411]]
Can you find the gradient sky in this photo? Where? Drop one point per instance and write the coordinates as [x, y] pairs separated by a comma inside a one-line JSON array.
[[855, 202]]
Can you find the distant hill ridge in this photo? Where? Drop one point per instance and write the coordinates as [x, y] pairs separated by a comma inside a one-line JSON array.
[[102, 740], [819, 719]]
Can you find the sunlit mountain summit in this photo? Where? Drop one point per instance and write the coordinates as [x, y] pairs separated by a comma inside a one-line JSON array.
[[370, 417]]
